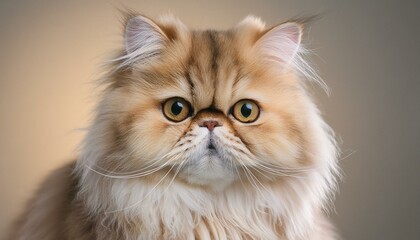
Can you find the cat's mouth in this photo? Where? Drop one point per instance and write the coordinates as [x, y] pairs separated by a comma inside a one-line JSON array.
[[208, 164], [210, 145]]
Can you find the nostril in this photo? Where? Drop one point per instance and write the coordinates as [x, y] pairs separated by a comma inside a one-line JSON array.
[[210, 124]]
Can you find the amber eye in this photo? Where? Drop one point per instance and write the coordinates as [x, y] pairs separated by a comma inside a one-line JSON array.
[[176, 109], [245, 111]]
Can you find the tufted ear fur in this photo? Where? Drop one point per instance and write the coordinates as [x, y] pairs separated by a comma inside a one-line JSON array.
[[143, 38], [281, 43]]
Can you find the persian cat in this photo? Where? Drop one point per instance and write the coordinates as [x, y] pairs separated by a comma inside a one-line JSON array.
[[198, 135]]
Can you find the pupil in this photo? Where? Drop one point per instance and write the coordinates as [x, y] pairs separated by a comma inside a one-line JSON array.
[[246, 109], [176, 108]]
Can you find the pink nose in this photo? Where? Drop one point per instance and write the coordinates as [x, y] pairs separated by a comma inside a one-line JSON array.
[[210, 124]]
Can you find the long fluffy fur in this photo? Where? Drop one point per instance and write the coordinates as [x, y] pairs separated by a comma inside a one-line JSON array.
[[123, 185]]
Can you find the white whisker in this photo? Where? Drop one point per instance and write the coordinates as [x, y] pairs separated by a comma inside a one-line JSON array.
[[147, 195]]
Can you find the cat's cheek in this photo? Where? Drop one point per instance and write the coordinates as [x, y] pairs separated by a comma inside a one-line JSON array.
[[151, 136], [269, 141]]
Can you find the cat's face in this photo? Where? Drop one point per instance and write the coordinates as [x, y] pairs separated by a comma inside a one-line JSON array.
[[211, 107]]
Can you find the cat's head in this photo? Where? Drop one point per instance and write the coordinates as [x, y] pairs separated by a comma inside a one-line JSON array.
[[211, 107]]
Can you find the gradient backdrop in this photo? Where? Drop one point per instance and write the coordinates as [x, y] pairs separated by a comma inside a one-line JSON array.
[[368, 53]]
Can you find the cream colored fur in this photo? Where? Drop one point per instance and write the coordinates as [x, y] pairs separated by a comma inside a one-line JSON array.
[[139, 176]]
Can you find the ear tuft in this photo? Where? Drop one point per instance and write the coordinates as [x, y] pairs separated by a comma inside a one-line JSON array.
[[282, 42], [251, 20], [143, 38]]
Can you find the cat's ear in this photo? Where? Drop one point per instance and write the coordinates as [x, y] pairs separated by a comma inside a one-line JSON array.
[[143, 38], [281, 43]]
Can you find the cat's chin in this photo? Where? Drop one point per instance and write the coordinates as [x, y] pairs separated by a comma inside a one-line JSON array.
[[209, 171]]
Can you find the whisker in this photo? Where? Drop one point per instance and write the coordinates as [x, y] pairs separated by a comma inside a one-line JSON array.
[[265, 166], [131, 172], [139, 172], [271, 168], [252, 178], [175, 175], [347, 156], [136, 175], [147, 195]]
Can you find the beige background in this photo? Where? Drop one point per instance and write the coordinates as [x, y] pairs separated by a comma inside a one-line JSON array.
[[368, 54]]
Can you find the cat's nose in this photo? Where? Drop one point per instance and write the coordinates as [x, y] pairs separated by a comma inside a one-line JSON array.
[[210, 124]]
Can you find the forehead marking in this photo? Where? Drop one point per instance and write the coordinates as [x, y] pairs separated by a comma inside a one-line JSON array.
[[212, 70], [191, 83], [203, 67], [214, 61]]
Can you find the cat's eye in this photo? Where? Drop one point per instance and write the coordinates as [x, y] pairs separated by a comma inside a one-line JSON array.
[[245, 111], [176, 109]]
